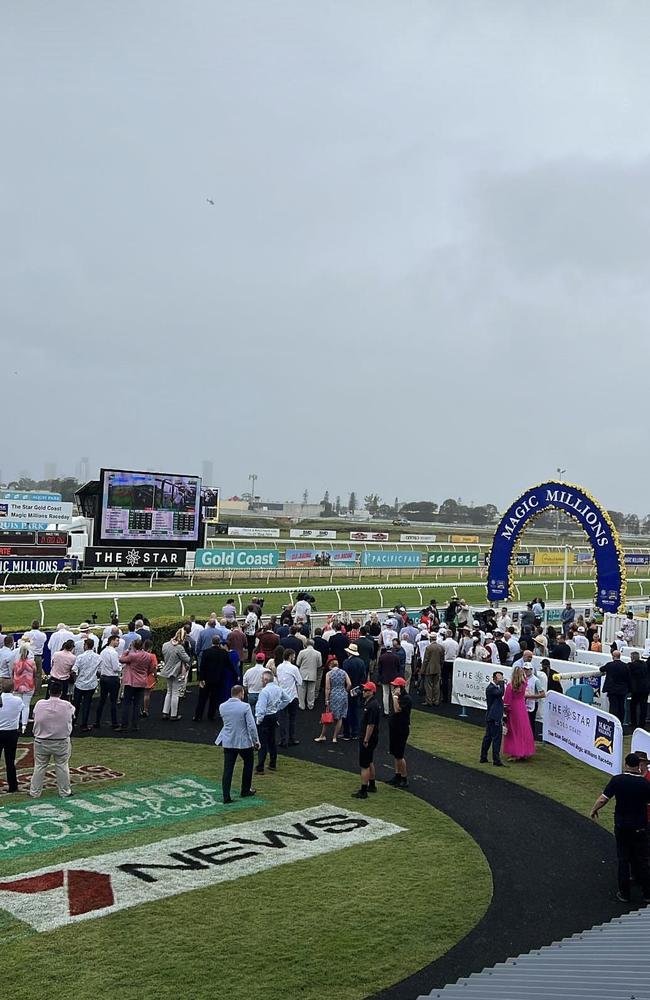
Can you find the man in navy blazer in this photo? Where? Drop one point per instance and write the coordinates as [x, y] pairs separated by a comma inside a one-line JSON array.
[[493, 720], [239, 738]]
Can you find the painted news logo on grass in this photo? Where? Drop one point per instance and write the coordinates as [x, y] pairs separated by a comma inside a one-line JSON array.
[[100, 885], [592, 518]]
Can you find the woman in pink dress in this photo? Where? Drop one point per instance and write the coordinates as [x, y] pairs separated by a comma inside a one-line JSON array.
[[518, 742]]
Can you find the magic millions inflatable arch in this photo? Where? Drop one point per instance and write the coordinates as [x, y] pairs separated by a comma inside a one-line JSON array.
[[592, 518]]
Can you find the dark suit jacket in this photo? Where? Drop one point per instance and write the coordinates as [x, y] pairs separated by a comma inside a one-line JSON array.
[[494, 698], [617, 677]]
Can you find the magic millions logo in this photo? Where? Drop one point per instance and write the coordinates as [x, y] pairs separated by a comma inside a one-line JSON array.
[[604, 735]]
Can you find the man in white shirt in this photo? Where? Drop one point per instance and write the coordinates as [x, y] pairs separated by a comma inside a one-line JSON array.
[[512, 643], [450, 647], [409, 651], [388, 633], [85, 671], [58, 637], [195, 628], [466, 642], [253, 680], [10, 713], [504, 621], [290, 680], [80, 639], [301, 612], [110, 671], [534, 691], [37, 639], [581, 641], [309, 662], [109, 630], [8, 656]]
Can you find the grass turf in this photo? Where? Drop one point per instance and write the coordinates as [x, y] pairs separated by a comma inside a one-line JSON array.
[[550, 772], [346, 924], [15, 615]]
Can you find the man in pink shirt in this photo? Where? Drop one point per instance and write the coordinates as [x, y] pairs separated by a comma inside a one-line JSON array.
[[52, 727], [137, 667], [62, 664]]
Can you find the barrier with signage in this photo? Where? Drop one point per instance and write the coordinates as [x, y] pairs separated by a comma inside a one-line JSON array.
[[594, 520], [236, 559], [299, 555], [36, 565], [464, 539], [554, 559], [369, 536], [586, 733], [383, 558], [470, 679], [310, 533], [452, 559], [521, 559], [637, 558], [428, 539], [239, 532], [134, 558], [39, 511]]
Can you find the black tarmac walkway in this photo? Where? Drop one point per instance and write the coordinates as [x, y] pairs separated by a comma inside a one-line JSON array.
[[553, 870]]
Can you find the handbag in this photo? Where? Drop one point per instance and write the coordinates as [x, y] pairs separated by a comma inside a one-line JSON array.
[[326, 718]]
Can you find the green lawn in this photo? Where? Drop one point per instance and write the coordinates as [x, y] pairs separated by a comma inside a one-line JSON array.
[[15, 615], [551, 772], [344, 924]]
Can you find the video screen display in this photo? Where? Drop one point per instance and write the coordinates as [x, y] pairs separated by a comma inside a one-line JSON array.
[[149, 506]]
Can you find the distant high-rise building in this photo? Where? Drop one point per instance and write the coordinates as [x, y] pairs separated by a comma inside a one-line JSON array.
[[24, 474], [50, 470], [84, 470], [207, 472]]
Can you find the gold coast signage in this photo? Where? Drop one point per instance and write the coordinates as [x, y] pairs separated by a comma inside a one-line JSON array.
[[592, 518], [100, 885]]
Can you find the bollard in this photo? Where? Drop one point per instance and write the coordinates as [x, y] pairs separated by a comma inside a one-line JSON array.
[[463, 713]]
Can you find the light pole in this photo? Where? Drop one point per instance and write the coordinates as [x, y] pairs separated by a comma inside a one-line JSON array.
[[253, 480]]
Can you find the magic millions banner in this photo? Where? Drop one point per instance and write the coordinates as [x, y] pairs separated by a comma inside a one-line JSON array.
[[592, 518]]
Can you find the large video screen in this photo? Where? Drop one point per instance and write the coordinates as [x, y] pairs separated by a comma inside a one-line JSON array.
[[149, 506]]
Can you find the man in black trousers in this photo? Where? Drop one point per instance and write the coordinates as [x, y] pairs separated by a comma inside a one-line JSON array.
[[632, 794], [493, 720], [238, 738], [214, 666], [617, 684]]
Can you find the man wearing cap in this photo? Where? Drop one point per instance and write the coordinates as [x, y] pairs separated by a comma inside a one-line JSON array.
[[368, 740], [632, 794], [253, 682], [580, 639], [534, 691], [399, 725], [80, 639], [493, 720], [356, 670]]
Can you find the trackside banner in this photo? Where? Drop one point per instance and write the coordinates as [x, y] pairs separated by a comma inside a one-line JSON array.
[[100, 885], [585, 732]]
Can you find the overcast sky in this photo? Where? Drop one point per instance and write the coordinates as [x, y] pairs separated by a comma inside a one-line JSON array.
[[426, 271]]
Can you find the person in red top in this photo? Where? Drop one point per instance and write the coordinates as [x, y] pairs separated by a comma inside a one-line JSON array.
[[137, 667], [151, 679]]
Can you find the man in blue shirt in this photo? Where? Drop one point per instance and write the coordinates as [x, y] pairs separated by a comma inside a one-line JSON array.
[[238, 738], [567, 617], [130, 636], [272, 699], [204, 640]]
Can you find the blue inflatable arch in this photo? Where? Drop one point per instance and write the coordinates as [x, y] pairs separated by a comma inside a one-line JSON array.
[[592, 518]]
